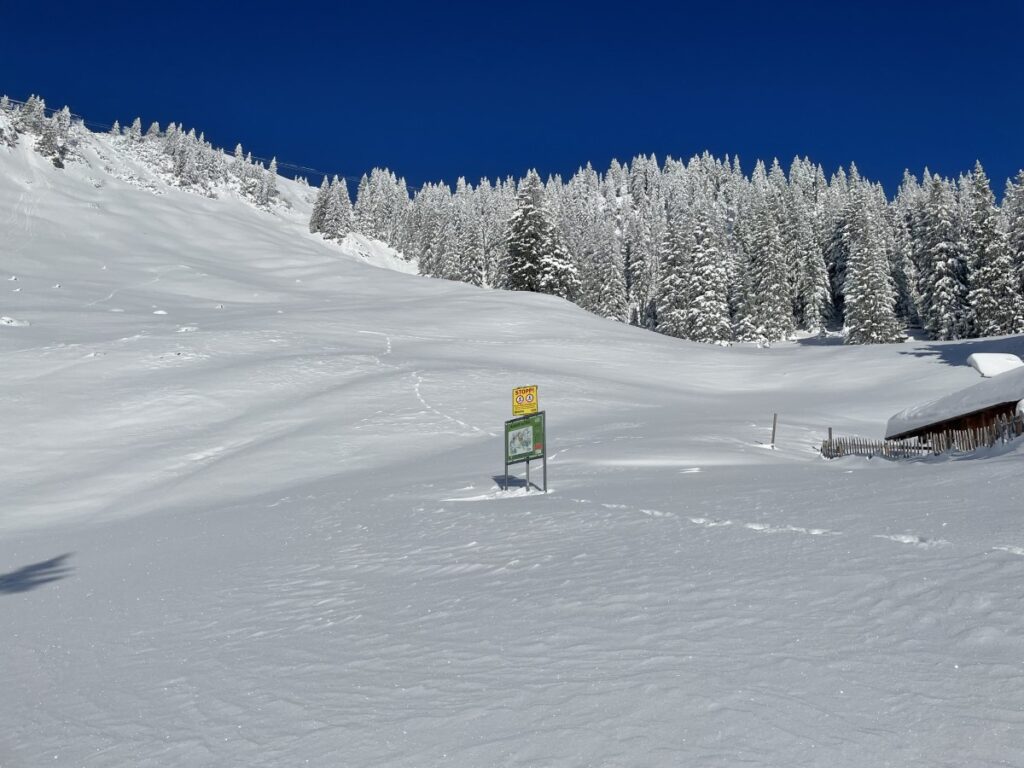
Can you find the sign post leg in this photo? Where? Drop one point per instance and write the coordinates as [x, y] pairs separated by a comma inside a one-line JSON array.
[[544, 427], [527, 475]]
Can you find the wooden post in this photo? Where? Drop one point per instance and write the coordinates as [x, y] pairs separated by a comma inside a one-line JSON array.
[[775, 424]]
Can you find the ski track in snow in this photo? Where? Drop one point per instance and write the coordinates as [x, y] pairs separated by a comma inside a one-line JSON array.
[[418, 382], [144, 284], [922, 542], [417, 387]]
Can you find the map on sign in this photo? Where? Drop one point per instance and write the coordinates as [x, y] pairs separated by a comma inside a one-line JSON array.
[[520, 442], [524, 400]]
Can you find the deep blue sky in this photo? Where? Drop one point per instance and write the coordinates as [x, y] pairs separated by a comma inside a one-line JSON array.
[[442, 89]]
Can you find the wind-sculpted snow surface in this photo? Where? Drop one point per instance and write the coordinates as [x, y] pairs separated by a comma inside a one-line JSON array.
[[263, 527]]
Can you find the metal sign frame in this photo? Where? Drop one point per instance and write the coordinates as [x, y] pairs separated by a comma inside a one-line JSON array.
[[524, 444]]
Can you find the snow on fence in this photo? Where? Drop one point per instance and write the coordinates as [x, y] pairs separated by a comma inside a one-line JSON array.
[[1002, 430]]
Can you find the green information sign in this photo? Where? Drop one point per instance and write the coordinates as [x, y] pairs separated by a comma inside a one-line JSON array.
[[524, 438]]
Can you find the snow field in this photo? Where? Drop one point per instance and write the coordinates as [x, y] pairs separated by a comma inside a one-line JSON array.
[[278, 507]]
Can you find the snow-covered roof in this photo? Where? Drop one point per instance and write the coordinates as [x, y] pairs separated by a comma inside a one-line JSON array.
[[1005, 388], [990, 364]]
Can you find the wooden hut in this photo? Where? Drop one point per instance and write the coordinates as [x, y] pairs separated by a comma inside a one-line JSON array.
[[984, 406]]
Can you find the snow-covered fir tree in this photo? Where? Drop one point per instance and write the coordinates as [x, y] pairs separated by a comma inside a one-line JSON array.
[[707, 311], [770, 298], [644, 239], [337, 213], [674, 283], [468, 257], [588, 228], [944, 286], [537, 260], [1013, 223], [812, 297], [31, 117], [869, 291], [316, 219], [994, 295]]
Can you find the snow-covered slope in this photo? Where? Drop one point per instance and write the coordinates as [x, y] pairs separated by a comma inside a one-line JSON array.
[[250, 518]]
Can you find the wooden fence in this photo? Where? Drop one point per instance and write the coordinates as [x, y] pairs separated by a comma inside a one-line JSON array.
[[1001, 430]]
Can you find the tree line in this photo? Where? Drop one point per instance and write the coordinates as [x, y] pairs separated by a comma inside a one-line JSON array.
[[701, 251]]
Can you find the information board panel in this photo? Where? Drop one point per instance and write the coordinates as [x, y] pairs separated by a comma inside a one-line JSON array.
[[524, 438]]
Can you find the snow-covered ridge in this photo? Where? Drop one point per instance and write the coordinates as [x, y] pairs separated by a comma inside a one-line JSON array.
[[157, 161]]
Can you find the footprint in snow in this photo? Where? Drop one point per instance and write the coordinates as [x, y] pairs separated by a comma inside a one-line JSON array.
[[917, 541], [656, 513], [709, 522], [765, 528], [812, 531]]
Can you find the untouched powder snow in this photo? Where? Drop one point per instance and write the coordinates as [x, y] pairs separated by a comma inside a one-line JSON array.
[[251, 518]]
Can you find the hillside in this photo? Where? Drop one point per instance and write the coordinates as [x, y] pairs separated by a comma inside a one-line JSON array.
[[251, 516]]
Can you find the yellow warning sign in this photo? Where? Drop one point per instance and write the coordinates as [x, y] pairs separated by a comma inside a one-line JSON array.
[[524, 400]]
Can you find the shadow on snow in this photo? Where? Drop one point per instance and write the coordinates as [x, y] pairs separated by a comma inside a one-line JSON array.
[[956, 353], [35, 575], [517, 482]]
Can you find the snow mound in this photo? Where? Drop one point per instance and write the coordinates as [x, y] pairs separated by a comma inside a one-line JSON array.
[[990, 364]]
